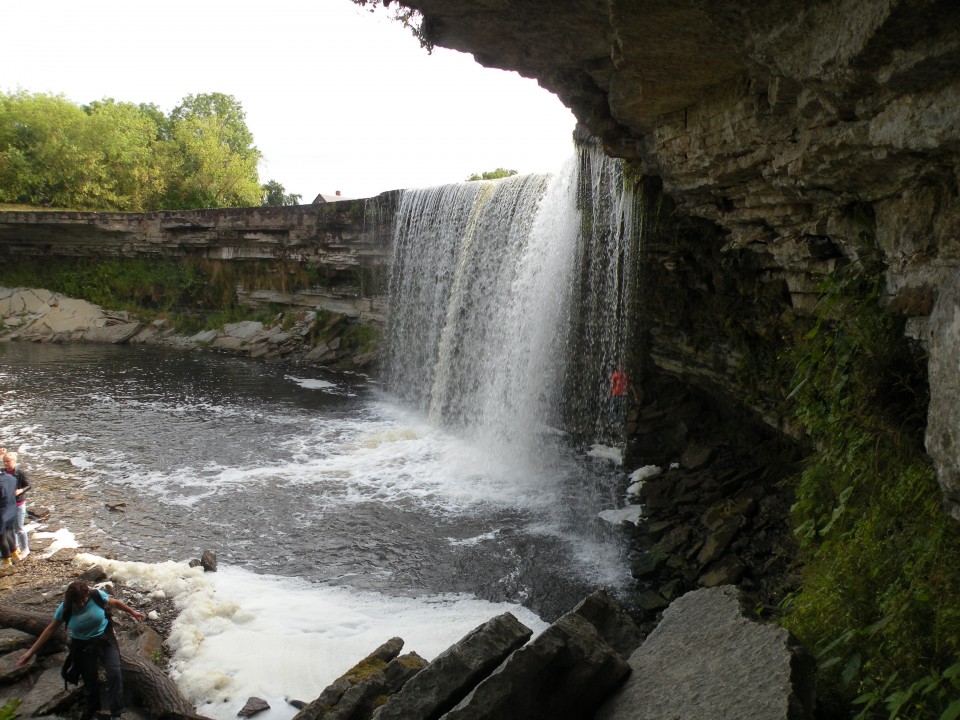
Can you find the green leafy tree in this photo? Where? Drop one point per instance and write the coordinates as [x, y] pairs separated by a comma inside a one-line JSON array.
[[205, 172], [111, 155], [275, 195], [210, 156], [492, 175]]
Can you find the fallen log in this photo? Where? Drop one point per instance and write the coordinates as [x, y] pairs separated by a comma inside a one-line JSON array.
[[154, 692]]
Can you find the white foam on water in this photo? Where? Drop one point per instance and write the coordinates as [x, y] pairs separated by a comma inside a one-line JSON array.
[[62, 539], [643, 473], [630, 514], [241, 634], [311, 384], [605, 452]]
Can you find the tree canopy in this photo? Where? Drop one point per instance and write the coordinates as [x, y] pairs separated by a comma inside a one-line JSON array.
[[275, 195], [111, 155], [492, 174]]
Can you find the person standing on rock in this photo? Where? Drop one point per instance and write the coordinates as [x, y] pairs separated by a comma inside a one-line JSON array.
[[22, 546], [92, 640], [8, 515]]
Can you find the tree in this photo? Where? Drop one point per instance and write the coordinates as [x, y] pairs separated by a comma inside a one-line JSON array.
[[492, 175], [210, 156], [111, 155], [204, 170], [275, 195]]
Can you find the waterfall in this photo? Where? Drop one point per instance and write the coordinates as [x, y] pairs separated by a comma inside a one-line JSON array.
[[508, 303]]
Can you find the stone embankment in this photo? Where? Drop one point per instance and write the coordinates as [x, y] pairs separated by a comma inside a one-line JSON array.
[[306, 335]]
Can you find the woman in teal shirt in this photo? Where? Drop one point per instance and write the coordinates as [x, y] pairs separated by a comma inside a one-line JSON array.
[[91, 640]]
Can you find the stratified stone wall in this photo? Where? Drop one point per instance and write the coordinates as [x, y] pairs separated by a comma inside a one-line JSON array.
[[348, 241]]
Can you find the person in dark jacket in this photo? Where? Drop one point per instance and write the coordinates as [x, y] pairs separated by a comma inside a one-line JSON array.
[[22, 548], [8, 515], [92, 641]]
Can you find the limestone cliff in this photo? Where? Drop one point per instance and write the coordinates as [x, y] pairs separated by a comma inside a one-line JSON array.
[[791, 136]]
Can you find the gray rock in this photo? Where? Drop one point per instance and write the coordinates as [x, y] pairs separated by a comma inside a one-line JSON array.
[[9, 672], [48, 695], [563, 674], [728, 570], [244, 330], [93, 574], [253, 706], [943, 414], [343, 697], [705, 660], [208, 561], [453, 673], [11, 639], [719, 540], [616, 628], [115, 334]]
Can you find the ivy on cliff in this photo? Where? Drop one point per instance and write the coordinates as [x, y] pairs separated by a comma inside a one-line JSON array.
[[879, 603]]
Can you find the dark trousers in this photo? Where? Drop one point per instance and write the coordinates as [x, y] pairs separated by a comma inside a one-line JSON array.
[[8, 542], [92, 653]]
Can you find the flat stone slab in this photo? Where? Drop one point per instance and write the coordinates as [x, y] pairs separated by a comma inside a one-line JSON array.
[[705, 660]]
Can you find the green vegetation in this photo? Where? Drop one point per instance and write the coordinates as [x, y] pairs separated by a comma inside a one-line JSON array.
[[275, 195], [879, 603], [492, 175], [194, 294], [9, 709], [111, 155]]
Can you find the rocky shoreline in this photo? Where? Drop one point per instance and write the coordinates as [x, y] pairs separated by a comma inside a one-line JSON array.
[[296, 335]]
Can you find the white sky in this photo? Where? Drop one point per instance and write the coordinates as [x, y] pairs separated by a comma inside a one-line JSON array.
[[337, 98]]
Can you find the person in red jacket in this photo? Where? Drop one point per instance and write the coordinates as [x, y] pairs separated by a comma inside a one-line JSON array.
[[620, 383]]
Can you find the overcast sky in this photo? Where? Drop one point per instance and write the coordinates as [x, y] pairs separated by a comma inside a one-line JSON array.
[[337, 98]]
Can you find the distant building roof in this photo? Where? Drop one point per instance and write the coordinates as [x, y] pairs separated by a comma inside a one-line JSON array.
[[324, 198]]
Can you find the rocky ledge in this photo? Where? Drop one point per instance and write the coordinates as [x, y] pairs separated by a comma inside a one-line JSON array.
[[589, 663], [311, 335]]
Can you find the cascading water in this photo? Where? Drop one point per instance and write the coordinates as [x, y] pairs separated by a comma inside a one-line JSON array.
[[509, 303]]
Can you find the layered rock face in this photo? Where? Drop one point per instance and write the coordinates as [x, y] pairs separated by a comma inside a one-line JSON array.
[[771, 120], [348, 242], [790, 137]]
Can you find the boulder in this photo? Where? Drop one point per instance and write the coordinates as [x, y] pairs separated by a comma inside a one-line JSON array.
[[9, 672], [453, 673], [616, 628], [943, 414], [115, 334], [14, 640], [244, 330], [253, 706], [563, 674], [334, 700], [705, 660], [48, 696]]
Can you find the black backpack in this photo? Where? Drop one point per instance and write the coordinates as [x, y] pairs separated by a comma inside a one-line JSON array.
[[70, 672]]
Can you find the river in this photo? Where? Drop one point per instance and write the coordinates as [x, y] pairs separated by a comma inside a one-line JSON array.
[[343, 505]]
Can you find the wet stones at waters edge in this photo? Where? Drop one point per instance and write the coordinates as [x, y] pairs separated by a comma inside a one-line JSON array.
[[718, 513], [253, 706], [453, 673], [490, 673], [43, 316], [208, 561], [705, 660], [359, 691]]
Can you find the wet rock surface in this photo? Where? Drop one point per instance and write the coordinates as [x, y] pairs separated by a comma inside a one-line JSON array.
[[719, 521], [706, 660]]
